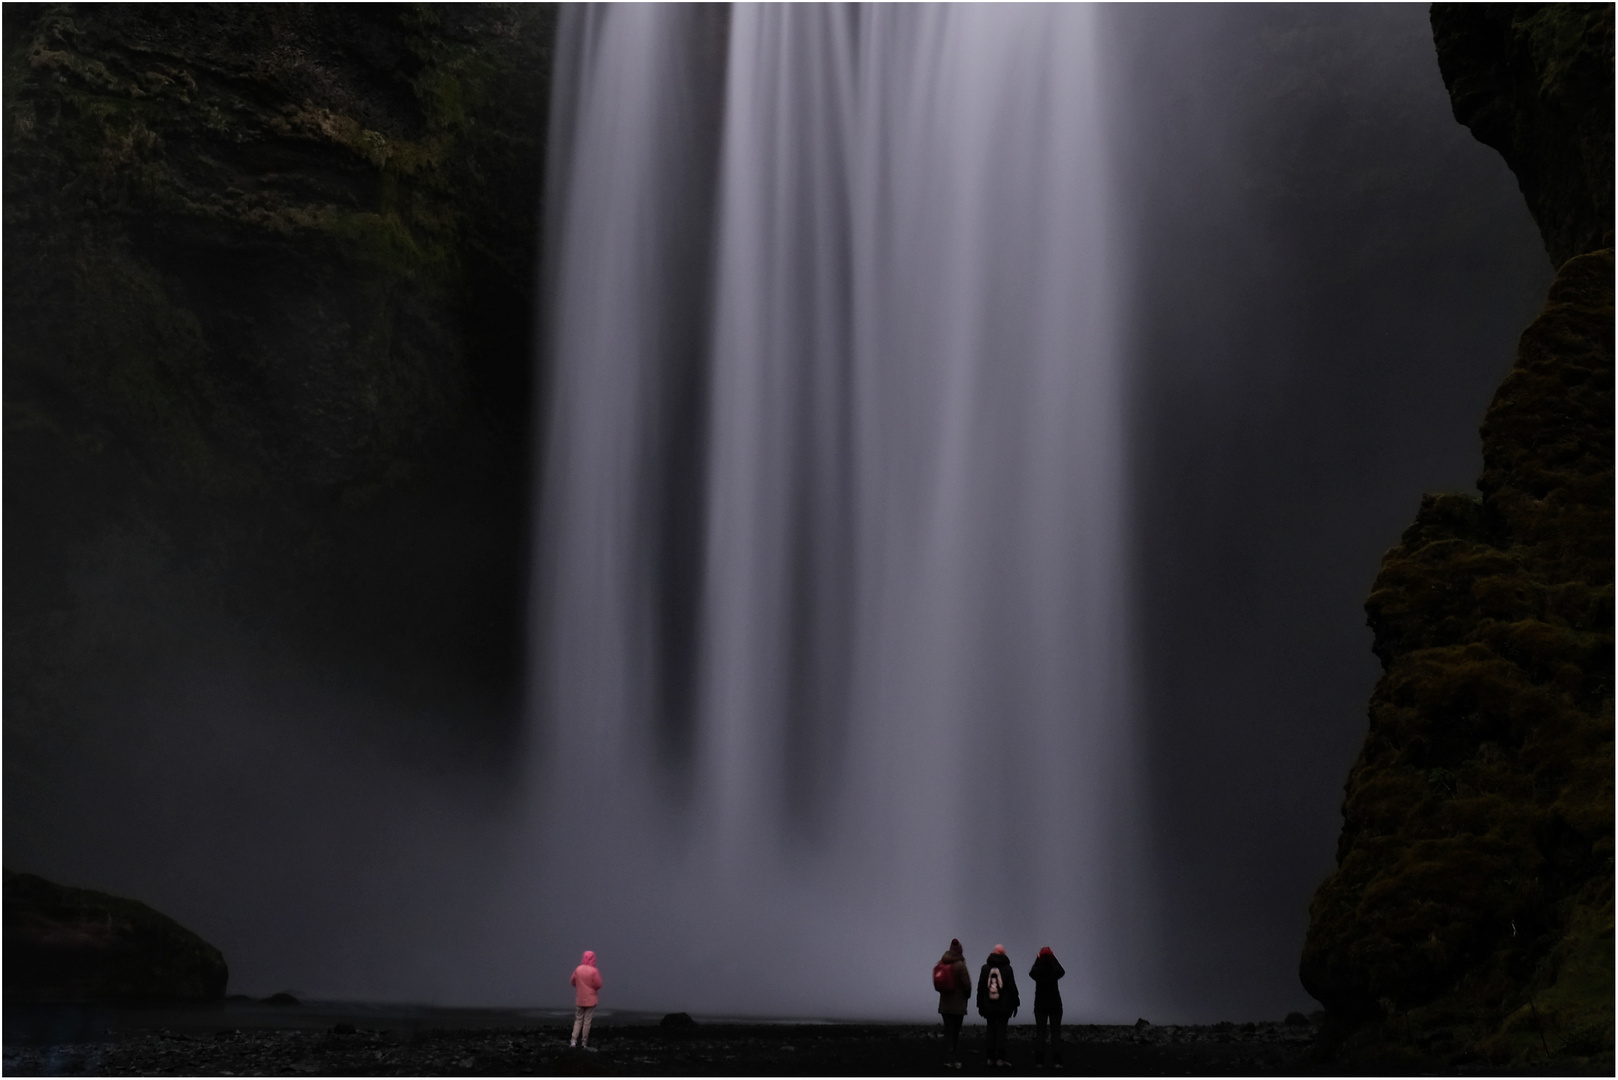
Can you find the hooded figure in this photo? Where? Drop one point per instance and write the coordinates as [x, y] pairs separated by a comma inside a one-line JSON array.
[[1046, 970], [1047, 1004], [997, 986], [952, 1002], [586, 982], [997, 1001]]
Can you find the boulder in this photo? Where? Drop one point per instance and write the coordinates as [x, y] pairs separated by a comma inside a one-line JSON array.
[[76, 945]]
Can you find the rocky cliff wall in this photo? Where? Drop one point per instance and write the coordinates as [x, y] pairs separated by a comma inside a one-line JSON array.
[[1471, 914], [1534, 81], [269, 290]]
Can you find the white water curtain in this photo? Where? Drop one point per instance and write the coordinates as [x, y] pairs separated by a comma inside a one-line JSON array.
[[890, 483]]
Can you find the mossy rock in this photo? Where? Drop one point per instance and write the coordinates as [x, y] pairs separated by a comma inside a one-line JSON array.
[[262, 245], [1470, 917], [271, 278], [76, 945], [1474, 868]]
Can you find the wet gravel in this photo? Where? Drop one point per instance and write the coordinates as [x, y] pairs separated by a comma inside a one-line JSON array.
[[650, 1050]]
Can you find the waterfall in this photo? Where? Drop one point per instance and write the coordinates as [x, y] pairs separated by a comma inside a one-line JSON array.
[[830, 633]]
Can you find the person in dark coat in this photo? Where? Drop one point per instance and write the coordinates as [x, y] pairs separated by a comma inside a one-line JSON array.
[[1047, 1006], [952, 1002], [997, 1003]]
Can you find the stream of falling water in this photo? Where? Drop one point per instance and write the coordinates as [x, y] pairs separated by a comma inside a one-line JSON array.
[[830, 623]]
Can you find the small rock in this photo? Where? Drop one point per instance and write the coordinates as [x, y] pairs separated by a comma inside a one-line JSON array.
[[1142, 1022], [1296, 1019], [283, 998], [677, 1020]]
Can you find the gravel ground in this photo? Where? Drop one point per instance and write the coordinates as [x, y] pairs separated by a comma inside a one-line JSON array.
[[650, 1050], [241, 1037]]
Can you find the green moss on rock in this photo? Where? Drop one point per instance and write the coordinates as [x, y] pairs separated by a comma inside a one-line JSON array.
[[294, 191], [1470, 917], [1473, 886], [270, 279]]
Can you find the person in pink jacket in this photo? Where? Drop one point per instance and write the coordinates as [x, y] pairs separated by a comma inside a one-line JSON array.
[[586, 983]]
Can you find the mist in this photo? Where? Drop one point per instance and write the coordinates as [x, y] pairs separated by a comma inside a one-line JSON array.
[[1331, 275], [782, 636]]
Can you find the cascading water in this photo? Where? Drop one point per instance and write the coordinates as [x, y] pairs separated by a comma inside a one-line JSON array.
[[830, 623]]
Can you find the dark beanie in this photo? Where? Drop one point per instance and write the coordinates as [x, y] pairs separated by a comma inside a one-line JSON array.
[[955, 945]]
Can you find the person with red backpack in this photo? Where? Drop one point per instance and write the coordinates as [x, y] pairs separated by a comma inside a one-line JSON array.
[[997, 1003], [954, 985]]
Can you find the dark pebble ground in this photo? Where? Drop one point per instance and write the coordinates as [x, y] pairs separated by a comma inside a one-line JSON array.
[[726, 1050], [646, 1049]]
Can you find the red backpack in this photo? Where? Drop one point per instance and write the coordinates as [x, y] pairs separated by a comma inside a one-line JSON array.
[[943, 977]]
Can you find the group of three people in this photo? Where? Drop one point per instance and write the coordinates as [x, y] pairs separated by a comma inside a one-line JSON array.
[[998, 1002]]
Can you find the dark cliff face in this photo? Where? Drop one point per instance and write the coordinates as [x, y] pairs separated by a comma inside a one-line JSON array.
[[269, 297], [1471, 913], [1331, 276], [1535, 82]]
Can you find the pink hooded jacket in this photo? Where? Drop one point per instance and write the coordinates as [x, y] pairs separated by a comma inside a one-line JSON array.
[[586, 980]]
